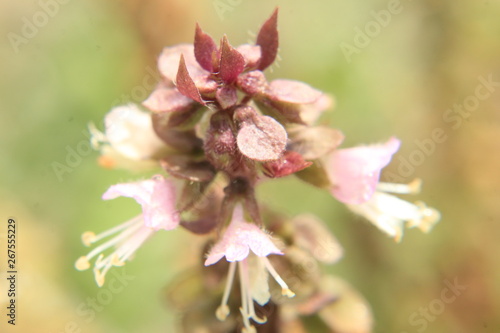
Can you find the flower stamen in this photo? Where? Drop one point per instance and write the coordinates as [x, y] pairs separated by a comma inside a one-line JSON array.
[[223, 310], [131, 235], [412, 187], [285, 290]]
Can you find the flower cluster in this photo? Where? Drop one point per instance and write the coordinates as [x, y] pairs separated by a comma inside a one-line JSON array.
[[218, 128]]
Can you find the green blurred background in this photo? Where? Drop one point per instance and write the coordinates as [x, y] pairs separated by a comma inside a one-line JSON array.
[[89, 54]]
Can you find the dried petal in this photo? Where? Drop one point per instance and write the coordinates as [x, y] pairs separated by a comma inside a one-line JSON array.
[[165, 99], [291, 91], [268, 40], [310, 113], [129, 131], [205, 49], [168, 62], [252, 83], [226, 96], [350, 313], [205, 84], [312, 235], [313, 142], [232, 62], [185, 83], [251, 54], [287, 164], [263, 139]]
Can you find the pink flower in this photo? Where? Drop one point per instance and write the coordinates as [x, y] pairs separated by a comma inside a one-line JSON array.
[[391, 214], [355, 172], [241, 237], [157, 198]]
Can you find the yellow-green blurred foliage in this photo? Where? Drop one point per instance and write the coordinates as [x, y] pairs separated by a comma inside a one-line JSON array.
[[90, 53]]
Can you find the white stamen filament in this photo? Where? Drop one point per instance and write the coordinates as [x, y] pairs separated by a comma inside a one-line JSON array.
[[122, 253], [247, 308], [285, 291], [89, 237], [113, 241], [429, 217], [131, 235], [246, 298], [97, 137], [223, 310], [245, 285], [411, 188]]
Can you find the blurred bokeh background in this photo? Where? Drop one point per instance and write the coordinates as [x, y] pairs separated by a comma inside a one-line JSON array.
[[83, 57]]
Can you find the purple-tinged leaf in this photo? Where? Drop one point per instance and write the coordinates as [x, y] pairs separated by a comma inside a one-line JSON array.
[[185, 83], [197, 202], [202, 226], [220, 142], [315, 175], [168, 62], [205, 49], [268, 40], [166, 99], [282, 111], [232, 62], [184, 167], [291, 91], [313, 142], [226, 96], [290, 162], [183, 141], [252, 83], [185, 119], [263, 139]]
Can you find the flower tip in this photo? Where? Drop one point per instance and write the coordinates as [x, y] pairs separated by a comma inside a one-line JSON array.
[[398, 237], [415, 185], [287, 292], [116, 261], [222, 312], [82, 263], [106, 162], [99, 277], [259, 320], [430, 217], [250, 329], [88, 238]]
